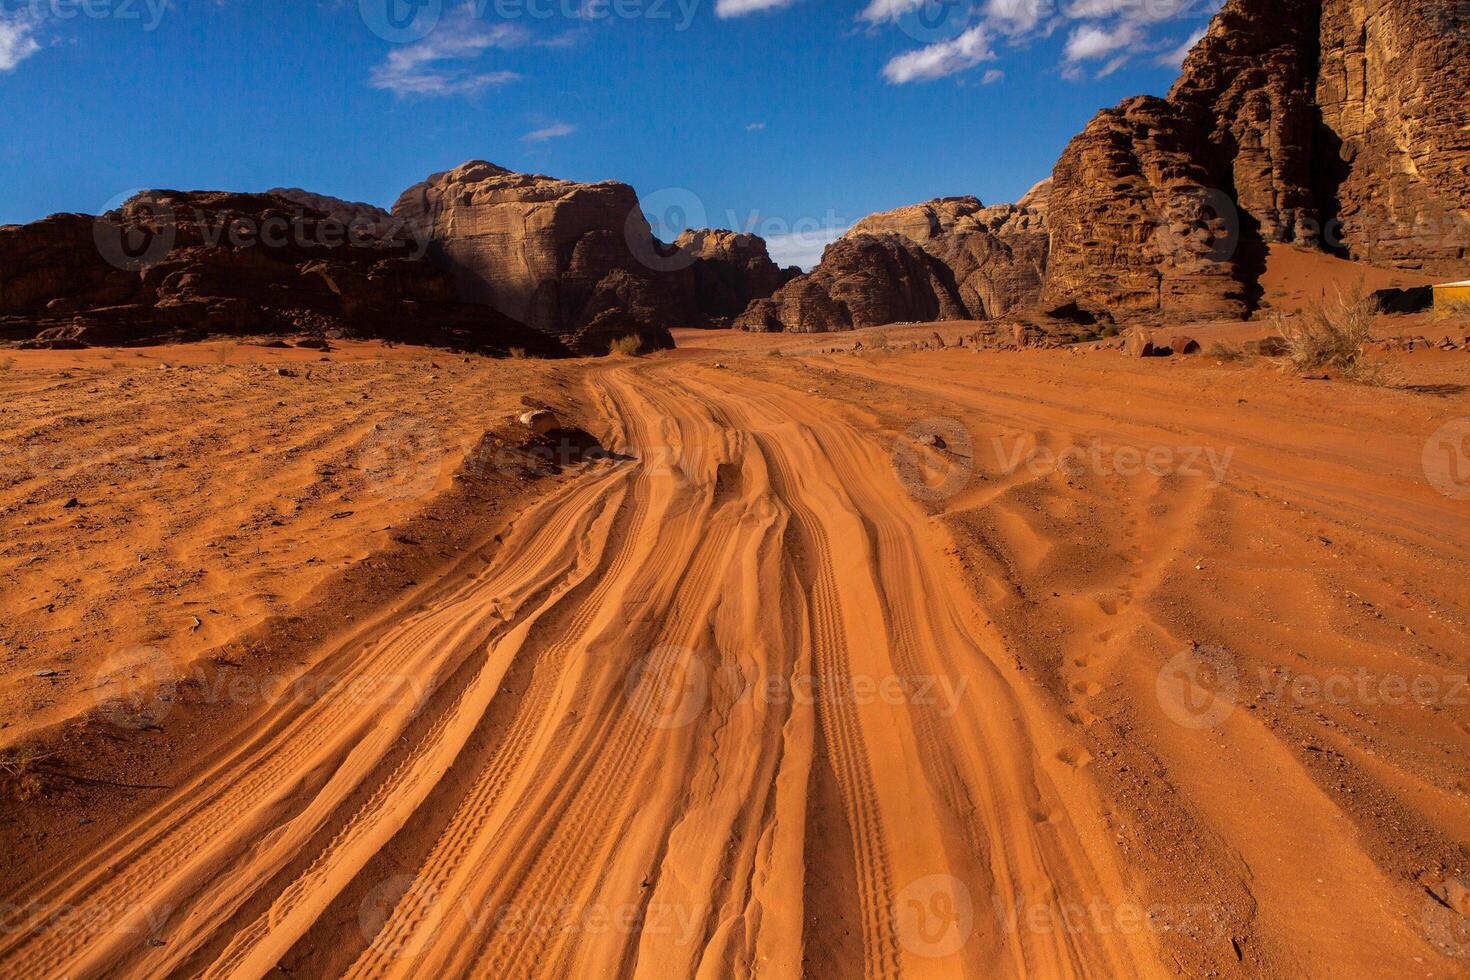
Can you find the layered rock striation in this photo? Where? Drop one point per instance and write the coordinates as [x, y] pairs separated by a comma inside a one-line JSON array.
[[555, 254], [1343, 125]]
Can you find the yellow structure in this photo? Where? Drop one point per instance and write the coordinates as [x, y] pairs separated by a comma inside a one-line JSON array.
[[1452, 295]]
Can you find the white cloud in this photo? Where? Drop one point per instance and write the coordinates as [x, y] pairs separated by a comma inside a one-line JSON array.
[[992, 76], [1091, 41], [878, 11], [755, 127], [944, 58], [1017, 16], [447, 62], [1135, 11], [802, 248], [551, 132], [1116, 31], [739, 8], [17, 40], [1175, 58]]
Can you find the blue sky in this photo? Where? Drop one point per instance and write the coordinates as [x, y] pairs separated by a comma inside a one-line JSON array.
[[783, 117]]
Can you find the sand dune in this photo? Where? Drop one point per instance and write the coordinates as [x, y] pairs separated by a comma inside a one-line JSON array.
[[934, 664]]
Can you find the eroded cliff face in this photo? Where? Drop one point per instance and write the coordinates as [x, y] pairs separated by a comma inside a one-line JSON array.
[[1134, 227], [1393, 89], [1343, 125], [865, 280], [552, 253], [731, 270], [1245, 95], [997, 255]]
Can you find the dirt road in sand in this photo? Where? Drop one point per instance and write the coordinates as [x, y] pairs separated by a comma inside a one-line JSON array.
[[627, 717], [766, 695]]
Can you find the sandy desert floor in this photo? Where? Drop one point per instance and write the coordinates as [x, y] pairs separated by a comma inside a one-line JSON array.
[[934, 663]]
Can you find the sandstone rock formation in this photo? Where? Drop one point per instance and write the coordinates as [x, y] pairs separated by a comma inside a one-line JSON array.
[[921, 223], [863, 281], [1038, 198], [365, 220], [997, 255], [1135, 225], [731, 270], [1343, 124], [169, 265], [1393, 90], [552, 253]]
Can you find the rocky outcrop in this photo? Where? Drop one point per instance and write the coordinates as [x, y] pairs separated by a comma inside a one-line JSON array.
[[996, 255], [1038, 198], [731, 270], [169, 265], [365, 220], [1136, 226], [1393, 91], [551, 253], [1246, 92], [922, 223], [1342, 124], [864, 280]]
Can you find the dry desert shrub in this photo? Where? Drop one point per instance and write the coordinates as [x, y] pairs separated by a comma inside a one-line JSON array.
[[1332, 334], [518, 354], [1225, 352], [629, 345], [18, 769]]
